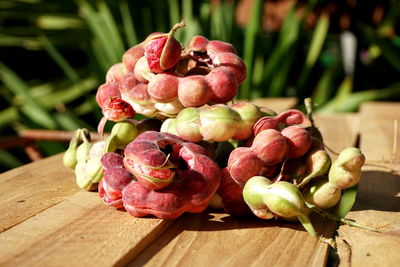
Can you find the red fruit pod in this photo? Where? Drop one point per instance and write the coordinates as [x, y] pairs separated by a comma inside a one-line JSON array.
[[196, 180], [231, 195], [197, 44], [115, 179], [115, 73], [232, 62], [243, 164], [223, 85], [142, 71], [163, 87], [298, 141], [118, 110], [139, 99], [106, 92], [162, 54], [265, 123], [293, 117], [270, 146], [132, 55], [193, 91], [163, 51], [216, 47]]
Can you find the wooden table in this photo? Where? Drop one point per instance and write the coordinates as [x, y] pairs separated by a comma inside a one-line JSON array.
[[45, 220]]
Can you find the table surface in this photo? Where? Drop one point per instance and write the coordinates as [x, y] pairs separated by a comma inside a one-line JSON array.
[[45, 220]]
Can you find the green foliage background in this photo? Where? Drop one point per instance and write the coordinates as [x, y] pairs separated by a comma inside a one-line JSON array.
[[54, 54]]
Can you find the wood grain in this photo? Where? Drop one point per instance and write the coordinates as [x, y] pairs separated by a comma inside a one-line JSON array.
[[380, 140], [218, 239], [30, 189], [277, 104], [79, 231], [378, 198]]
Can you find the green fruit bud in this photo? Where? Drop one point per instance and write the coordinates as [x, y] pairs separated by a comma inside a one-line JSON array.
[[323, 194], [168, 126], [284, 199], [124, 132], [249, 114], [219, 123], [346, 169], [94, 170], [268, 200], [82, 153], [253, 194], [187, 125], [317, 164], [82, 180], [69, 158]]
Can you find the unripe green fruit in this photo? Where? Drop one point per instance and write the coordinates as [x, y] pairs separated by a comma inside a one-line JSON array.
[[94, 169], [323, 194], [168, 126], [284, 199], [345, 171], [187, 125], [124, 132], [317, 164], [69, 158], [82, 153], [219, 123], [253, 194]]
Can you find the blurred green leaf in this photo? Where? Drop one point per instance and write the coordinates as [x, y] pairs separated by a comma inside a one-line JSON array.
[[114, 37], [252, 30], [8, 160], [287, 38], [346, 201], [389, 51], [60, 60], [31, 107], [351, 102], [325, 88], [101, 32], [317, 41], [58, 22], [129, 27], [70, 122]]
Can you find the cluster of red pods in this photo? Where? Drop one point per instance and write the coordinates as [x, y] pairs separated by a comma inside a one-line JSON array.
[[205, 149]]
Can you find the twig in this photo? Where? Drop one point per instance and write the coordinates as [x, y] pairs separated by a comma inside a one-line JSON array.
[[33, 152], [53, 135], [394, 148], [336, 218]]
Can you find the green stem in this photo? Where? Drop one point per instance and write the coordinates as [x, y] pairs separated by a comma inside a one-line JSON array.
[[305, 221], [336, 218]]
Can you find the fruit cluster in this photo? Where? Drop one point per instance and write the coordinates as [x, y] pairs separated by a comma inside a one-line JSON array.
[[249, 158], [158, 78]]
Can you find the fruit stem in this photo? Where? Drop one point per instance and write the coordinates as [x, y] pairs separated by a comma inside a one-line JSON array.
[[305, 221], [175, 28], [336, 218]]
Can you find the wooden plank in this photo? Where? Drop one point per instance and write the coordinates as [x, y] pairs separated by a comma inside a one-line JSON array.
[[338, 130], [277, 104], [79, 231], [381, 140], [218, 239], [30, 189], [378, 198]]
